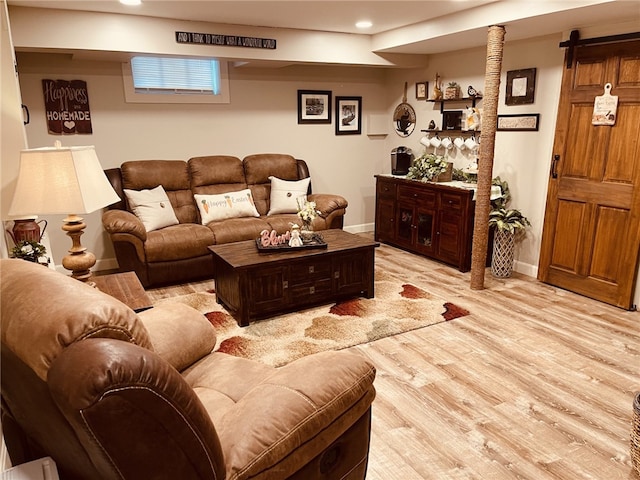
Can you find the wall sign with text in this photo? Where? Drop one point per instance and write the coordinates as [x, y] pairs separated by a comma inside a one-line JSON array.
[[225, 40], [67, 107]]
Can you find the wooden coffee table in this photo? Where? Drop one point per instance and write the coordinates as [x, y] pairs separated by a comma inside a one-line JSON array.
[[252, 284]]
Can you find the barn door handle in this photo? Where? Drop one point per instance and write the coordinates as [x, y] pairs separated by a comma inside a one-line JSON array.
[[26, 111], [554, 166]]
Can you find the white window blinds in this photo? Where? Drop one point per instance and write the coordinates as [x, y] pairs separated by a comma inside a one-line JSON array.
[[175, 75]]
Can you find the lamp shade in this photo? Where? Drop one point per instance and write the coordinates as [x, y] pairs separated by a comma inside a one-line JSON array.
[[61, 180]]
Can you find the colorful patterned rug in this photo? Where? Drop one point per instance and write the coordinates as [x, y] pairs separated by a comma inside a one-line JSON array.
[[398, 307]]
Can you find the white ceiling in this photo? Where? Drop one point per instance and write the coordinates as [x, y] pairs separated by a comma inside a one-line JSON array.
[[523, 18]]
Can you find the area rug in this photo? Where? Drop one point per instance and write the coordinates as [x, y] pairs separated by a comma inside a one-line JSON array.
[[398, 307]]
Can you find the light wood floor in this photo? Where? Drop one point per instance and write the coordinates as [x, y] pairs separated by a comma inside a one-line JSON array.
[[537, 383]]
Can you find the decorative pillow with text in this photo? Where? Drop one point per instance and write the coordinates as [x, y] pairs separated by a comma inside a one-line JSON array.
[[285, 193], [226, 205], [152, 207]]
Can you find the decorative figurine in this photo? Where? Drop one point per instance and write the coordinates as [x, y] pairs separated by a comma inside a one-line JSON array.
[[295, 240], [472, 91], [437, 89], [432, 125]]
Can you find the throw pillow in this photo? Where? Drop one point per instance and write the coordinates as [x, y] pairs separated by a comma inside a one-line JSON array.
[[284, 194], [152, 207], [226, 205]]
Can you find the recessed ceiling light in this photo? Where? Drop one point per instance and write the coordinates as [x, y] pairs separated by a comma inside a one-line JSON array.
[[364, 24], [131, 2]]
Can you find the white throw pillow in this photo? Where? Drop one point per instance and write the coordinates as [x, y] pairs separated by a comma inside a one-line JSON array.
[[152, 207], [284, 194], [226, 205]]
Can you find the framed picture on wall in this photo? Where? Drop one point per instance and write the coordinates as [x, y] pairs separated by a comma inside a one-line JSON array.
[[314, 106], [421, 90], [348, 115], [521, 86], [525, 122]]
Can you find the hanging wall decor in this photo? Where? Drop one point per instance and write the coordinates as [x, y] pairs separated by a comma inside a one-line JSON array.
[[521, 86], [67, 107], [604, 108]]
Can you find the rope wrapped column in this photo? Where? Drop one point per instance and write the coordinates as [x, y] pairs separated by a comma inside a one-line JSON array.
[[495, 46]]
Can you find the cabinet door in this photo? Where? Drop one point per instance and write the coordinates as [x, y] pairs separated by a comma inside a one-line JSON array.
[[268, 289], [350, 273], [385, 220], [425, 230], [405, 223], [451, 239]]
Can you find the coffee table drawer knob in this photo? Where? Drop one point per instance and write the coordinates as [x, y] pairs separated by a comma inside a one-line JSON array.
[[311, 269], [312, 290], [285, 284]]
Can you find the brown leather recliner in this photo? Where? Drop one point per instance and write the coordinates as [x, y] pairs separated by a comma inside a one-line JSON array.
[[110, 394]]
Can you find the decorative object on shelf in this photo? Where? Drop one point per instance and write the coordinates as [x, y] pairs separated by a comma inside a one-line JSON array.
[[437, 89], [60, 180], [29, 250], [348, 115], [404, 116], [452, 91], [314, 106], [473, 119], [472, 92], [521, 86], [432, 125], [421, 90], [452, 120], [524, 122], [27, 229], [509, 225], [431, 168]]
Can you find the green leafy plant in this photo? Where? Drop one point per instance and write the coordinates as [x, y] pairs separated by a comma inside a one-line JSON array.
[[453, 85], [510, 220], [427, 167], [28, 250]]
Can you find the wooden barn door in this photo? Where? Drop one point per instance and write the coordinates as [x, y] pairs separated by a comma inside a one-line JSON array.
[[591, 236]]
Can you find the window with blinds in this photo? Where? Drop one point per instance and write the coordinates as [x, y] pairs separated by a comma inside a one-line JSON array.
[[175, 80]]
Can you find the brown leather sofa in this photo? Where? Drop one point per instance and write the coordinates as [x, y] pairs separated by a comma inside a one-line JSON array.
[[179, 253], [110, 394]]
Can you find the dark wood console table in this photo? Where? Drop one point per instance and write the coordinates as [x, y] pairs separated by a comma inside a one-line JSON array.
[[432, 219]]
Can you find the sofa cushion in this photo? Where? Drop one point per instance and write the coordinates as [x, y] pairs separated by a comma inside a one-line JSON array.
[[257, 170], [285, 194], [173, 175], [216, 174], [226, 205], [152, 207], [37, 329], [237, 229], [178, 242]]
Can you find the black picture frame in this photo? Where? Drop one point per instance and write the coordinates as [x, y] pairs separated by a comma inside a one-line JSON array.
[[422, 89], [314, 106], [348, 115], [519, 122], [452, 120], [521, 86]]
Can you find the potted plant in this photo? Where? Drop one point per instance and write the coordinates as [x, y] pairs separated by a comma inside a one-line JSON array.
[[430, 167], [509, 225], [28, 250], [452, 91]]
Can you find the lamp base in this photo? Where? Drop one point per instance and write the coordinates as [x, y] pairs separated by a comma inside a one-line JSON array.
[[79, 261]]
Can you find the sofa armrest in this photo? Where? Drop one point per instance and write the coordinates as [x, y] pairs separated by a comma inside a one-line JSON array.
[[328, 203], [294, 413], [133, 413], [121, 221], [179, 333]]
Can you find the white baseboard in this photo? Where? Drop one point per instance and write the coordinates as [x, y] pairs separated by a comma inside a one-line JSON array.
[[526, 269], [364, 227]]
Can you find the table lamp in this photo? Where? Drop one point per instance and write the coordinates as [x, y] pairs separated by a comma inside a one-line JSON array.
[[60, 180]]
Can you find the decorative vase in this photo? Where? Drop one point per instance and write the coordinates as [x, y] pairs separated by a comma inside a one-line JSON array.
[[502, 260], [306, 232]]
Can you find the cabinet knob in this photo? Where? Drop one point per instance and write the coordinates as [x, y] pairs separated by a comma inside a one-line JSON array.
[[312, 290], [285, 284]]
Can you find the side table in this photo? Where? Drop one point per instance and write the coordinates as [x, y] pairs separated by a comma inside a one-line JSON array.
[[125, 287]]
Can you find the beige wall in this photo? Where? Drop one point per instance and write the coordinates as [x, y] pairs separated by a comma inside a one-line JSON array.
[[262, 118]]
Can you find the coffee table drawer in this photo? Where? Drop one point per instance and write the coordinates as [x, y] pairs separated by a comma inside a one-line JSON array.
[[313, 292], [310, 270]]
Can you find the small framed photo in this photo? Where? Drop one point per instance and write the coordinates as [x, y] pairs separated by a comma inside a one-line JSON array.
[[525, 122], [348, 115], [421, 90], [314, 106], [452, 120], [521, 86]]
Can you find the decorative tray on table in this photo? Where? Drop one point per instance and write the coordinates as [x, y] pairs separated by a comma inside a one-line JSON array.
[[316, 241]]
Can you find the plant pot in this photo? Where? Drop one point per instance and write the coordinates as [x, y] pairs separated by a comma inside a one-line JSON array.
[[447, 175], [451, 93], [502, 259]]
